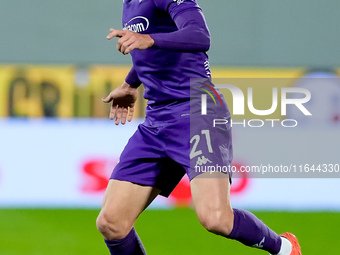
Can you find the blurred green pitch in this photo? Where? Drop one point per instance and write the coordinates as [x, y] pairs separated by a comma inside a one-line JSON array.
[[164, 232]]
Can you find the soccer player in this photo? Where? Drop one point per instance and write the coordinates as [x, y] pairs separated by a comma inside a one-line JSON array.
[[168, 40]]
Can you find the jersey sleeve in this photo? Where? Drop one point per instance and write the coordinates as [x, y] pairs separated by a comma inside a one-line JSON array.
[[192, 35], [132, 79], [173, 7]]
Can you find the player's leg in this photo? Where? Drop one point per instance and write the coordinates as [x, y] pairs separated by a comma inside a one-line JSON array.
[[123, 203], [211, 200], [124, 199], [211, 148]]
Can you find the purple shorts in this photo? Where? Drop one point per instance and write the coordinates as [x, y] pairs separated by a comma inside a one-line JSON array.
[[173, 140]]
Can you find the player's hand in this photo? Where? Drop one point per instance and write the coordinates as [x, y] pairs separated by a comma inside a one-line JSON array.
[[129, 40], [123, 101]]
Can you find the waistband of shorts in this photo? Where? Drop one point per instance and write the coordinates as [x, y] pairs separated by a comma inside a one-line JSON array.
[[167, 112]]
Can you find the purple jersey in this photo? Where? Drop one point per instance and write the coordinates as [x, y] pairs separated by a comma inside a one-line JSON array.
[[164, 69]]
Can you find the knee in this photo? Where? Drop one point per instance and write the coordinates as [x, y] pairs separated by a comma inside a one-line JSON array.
[[112, 227], [220, 222]]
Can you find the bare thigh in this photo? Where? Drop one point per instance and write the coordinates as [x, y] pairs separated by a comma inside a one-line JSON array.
[[122, 204], [211, 200]]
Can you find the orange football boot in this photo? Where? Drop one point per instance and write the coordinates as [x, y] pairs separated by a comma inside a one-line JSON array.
[[296, 250]]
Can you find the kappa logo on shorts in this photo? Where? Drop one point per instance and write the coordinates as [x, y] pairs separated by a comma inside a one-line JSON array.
[[204, 97], [202, 161]]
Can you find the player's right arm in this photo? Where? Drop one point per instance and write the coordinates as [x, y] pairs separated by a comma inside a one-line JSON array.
[[132, 78], [123, 99]]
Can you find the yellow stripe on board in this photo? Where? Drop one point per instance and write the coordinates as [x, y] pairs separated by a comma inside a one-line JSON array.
[[72, 91]]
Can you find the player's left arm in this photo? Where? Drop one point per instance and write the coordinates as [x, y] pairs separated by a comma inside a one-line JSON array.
[[192, 35]]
